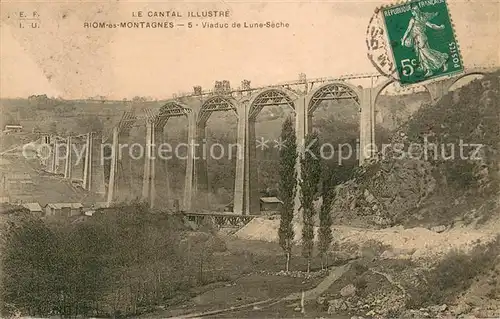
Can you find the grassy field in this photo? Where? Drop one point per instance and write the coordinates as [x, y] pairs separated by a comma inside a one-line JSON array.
[[251, 269]]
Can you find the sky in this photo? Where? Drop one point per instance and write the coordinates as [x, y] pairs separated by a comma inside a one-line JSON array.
[[62, 58]]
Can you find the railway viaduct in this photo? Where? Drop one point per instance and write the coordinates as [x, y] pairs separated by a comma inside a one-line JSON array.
[[302, 96]]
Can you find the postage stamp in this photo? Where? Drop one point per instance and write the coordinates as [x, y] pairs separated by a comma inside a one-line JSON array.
[[422, 40]]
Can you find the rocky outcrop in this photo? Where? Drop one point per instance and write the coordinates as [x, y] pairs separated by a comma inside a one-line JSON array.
[[383, 191], [445, 153]]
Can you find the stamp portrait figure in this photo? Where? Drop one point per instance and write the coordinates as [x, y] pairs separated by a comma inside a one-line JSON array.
[[430, 60], [421, 41]]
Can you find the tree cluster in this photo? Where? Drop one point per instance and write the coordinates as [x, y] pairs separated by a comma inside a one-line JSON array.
[[317, 180], [117, 263]]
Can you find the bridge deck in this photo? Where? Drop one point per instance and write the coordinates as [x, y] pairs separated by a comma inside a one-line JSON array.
[[224, 214], [219, 219]]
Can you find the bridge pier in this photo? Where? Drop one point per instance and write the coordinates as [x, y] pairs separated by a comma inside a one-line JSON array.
[[239, 180], [246, 199], [188, 182], [54, 156], [68, 168], [241, 197], [113, 167], [303, 123], [367, 125], [155, 176], [439, 89], [309, 123], [93, 170], [196, 179], [87, 165], [252, 180], [50, 157], [148, 175], [45, 140], [200, 178], [162, 181], [120, 175]]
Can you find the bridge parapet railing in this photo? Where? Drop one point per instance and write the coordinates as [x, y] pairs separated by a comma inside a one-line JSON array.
[[198, 92]]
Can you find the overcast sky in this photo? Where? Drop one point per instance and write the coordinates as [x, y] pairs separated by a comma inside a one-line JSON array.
[[64, 59]]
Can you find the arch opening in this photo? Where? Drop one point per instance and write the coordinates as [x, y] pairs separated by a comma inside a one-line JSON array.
[[172, 157], [393, 107], [125, 124], [465, 79], [332, 91], [216, 153], [271, 97], [334, 113], [268, 110], [216, 104], [130, 158]]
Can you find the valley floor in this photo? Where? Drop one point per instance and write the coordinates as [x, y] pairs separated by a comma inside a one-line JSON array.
[[386, 269]]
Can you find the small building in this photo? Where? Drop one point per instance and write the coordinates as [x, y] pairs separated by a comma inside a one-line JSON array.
[[63, 209], [13, 128], [34, 208], [267, 204], [270, 204]]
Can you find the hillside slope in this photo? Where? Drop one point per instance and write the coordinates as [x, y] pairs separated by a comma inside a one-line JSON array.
[[441, 167]]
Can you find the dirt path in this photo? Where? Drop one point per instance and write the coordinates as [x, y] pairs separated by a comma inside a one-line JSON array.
[[230, 309], [314, 293], [258, 306]]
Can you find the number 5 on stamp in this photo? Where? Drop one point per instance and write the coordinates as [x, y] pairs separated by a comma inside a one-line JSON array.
[[422, 40]]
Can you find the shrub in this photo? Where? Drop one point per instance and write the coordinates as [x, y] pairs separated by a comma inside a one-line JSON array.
[[454, 274]]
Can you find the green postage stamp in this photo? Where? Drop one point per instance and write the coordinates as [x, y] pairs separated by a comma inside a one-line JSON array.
[[422, 40]]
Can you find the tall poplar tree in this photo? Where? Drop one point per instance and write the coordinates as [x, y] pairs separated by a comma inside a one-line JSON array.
[[310, 178], [325, 218], [288, 157], [333, 175]]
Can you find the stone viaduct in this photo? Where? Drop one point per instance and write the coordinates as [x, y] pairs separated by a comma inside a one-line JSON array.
[[91, 175], [302, 96]]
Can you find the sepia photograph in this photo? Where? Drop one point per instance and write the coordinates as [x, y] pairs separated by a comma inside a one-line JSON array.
[[250, 159]]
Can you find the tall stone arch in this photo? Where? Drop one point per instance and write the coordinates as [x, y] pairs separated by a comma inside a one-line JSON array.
[[156, 168], [334, 90], [120, 161], [197, 189], [246, 190]]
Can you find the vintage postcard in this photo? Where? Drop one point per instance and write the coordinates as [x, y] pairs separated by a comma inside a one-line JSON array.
[[250, 159]]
